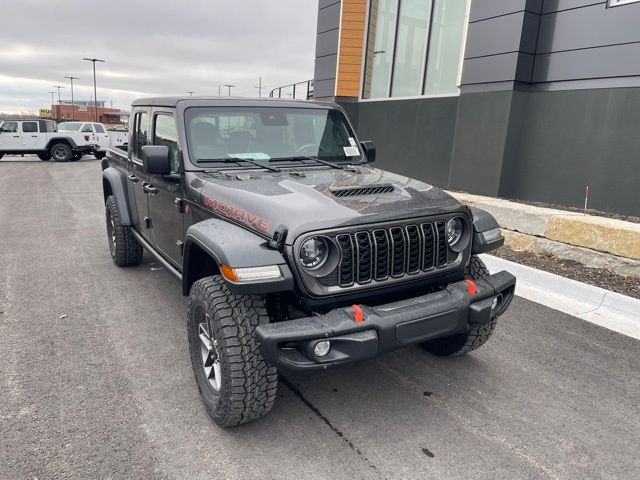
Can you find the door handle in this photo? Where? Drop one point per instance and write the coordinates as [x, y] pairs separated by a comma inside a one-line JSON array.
[[150, 189], [133, 178], [16, 136], [34, 136]]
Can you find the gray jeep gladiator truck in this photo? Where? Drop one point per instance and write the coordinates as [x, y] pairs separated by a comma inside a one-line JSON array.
[[295, 252]]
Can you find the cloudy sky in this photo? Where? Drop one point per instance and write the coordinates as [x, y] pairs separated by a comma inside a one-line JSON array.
[[152, 47]]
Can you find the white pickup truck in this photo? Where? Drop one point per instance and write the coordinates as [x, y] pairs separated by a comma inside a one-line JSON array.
[[42, 138], [98, 134]]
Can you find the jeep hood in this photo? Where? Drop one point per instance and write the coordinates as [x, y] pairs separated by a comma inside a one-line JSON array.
[[309, 200]]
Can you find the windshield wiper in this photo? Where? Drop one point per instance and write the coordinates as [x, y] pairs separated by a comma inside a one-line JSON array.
[[238, 159], [319, 160]]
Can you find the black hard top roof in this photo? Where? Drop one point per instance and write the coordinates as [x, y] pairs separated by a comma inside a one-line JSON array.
[[229, 101]]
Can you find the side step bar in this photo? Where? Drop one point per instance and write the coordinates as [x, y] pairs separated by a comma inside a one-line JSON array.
[[147, 246]]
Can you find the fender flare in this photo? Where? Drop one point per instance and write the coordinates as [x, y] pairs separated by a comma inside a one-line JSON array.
[[69, 140], [236, 247], [486, 231], [117, 183]]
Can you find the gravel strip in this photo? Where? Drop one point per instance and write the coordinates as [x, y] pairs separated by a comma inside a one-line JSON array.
[[598, 277]]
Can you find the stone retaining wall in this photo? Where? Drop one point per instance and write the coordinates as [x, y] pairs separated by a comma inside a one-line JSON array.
[[594, 241]]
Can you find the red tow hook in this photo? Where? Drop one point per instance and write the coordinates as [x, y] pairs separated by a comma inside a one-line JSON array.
[[358, 316], [471, 287]]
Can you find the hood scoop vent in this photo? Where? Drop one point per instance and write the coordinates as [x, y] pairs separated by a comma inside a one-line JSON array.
[[361, 191]]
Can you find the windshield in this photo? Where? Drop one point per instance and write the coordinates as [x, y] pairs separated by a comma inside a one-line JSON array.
[[69, 126], [264, 133]]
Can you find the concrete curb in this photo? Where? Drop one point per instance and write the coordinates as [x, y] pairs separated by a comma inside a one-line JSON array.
[[607, 309]]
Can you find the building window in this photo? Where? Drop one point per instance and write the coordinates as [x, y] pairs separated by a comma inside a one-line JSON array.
[[414, 47], [615, 3]]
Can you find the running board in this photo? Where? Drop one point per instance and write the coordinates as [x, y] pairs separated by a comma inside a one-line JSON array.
[[147, 246]]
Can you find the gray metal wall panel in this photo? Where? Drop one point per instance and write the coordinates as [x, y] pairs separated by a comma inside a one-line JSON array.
[[483, 9], [570, 139], [495, 35], [498, 68], [481, 132], [604, 62], [329, 18], [413, 137], [551, 6], [324, 88], [589, 27], [325, 3], [327, 43], [325, 67]]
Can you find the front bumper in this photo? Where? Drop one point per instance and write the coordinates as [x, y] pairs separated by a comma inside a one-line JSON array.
[[453, 310]]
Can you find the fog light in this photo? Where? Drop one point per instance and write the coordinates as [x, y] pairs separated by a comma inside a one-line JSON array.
[[494, 304], [322, 348]]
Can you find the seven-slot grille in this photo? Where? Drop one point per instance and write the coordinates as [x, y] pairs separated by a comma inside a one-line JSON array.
[[391, 252]]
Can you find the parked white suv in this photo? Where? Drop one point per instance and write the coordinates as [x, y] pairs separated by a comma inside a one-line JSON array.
[[41, 137], [98, 134]]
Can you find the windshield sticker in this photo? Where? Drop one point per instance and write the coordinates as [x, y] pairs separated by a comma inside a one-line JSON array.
[[251, 156], [351, 151], [352, 142]]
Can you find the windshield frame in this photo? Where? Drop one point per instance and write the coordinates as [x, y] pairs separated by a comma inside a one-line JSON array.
[[189, 112]]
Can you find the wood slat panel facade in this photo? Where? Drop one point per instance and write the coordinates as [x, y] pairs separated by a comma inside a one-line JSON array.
[[352, 27]]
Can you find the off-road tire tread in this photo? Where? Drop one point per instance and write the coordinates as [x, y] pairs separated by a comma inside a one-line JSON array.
[[249, 383], [456, 345], [128, 250], [53, 147]]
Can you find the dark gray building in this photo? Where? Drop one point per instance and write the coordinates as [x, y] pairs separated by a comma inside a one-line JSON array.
[[522, 99]]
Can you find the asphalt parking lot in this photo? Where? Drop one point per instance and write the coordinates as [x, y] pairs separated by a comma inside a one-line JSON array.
[[96, 380]]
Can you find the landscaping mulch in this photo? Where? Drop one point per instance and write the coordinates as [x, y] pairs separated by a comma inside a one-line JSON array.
[[595, 213], [598, 277]]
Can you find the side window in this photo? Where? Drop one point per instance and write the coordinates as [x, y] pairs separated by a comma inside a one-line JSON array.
[[99, 128], [86, 128], [166, 133], [30, 127], [9, 127], [141, 133]]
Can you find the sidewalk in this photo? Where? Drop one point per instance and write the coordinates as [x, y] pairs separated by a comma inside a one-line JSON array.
[[597, 242]]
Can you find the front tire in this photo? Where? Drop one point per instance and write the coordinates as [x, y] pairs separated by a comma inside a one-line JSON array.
[[99, 155], [124, 248], [236, 384], [61, 152], [476, 337], [76, 156]]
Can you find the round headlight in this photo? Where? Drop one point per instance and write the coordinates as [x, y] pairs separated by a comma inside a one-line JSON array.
[[455, 229], [314, 251]]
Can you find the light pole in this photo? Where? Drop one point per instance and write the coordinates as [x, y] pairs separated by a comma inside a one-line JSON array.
[[229, 87], [53, 107], [95, 93], [73, 109], [58, 114], [260, 87]]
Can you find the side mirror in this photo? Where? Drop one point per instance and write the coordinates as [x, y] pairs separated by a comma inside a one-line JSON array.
[[155, 159], [369, 150]]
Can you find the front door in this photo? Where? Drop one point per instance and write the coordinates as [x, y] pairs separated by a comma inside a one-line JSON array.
[[165, 195], [137, 178], [102, 136], [9, 136]]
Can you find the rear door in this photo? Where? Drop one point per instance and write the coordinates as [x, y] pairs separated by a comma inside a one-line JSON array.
[[137, 179], [166, 191], [30, 135]]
